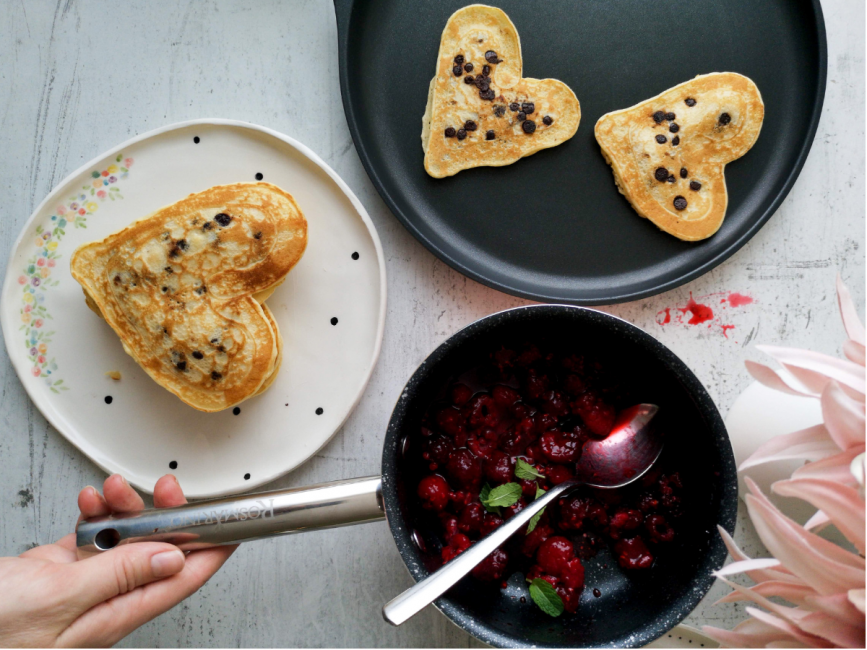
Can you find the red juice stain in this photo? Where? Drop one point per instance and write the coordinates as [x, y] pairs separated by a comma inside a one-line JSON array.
[[725, 329], [665, 319], [700, 313], [739, 300]]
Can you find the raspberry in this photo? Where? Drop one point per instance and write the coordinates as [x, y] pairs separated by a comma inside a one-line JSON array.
[[633, 554], [433, 492], [465, 470], [492, 567]]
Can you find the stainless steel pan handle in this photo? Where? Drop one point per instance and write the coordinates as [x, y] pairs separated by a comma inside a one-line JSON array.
[[235, 519]]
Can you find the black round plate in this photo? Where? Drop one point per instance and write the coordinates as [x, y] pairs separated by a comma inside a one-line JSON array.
[[553, 227]]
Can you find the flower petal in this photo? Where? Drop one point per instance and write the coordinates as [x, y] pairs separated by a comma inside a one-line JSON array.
[[818, 521], [790, 628], [815, 368], [843, 416], [837, 606], [819, 563], [745, 566], [781, 574], [751, 634], [838, 633], [812, 444], [794, 593], [854, 326], [840, 503], [856, 597], [772, 379], [854, 352], [832, 468]]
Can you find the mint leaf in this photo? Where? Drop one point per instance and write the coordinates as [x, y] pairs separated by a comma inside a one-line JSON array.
[[526, 471], [535, 519], [502, 496], [545, 597], [483, 497]]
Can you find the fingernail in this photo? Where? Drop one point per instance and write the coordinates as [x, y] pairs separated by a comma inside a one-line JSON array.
[[123, 479], [90, 488], [167, 564]]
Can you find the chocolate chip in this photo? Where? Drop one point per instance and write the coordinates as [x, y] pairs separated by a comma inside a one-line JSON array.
[[661, 139], [116, 278], [450, 132], [483, 83], [499, 110], [198, 355], [675, 140], [469, 125], [258, 235], [547, 120], [469, 79], [672, 179], [457, 71], [208, 225], [165, 289], [661, 174], [522, 116], [514, 106], [695, 186], [486, 70], [223, 219], [528, 107], [215, 341], [529, 126], [674, 128], [236, 410], [259, 176], [168, 270], [216, 375], [680, 203], [658, 116], [461, 134], [689, 101], [459, 59], [489, 135], [488, 94], [201, 290], [181, 365], [183, 245], [725, 118], [670, 116], [468, 66], [491, 57]]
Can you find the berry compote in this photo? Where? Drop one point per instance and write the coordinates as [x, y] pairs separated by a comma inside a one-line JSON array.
[[513, 427]]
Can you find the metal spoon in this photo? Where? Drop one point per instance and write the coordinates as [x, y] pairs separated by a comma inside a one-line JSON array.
[[623, 457]]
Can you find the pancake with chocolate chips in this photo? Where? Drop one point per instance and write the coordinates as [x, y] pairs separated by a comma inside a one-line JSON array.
[[524, 115], [717, 118], [184, 289]]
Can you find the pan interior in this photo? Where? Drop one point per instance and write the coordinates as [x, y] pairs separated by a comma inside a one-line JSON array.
[[633, 608]]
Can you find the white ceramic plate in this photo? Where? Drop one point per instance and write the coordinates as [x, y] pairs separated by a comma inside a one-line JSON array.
[[330, 310]]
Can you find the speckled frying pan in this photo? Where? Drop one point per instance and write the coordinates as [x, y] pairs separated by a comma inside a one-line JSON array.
[[552, 227], [631, 611]]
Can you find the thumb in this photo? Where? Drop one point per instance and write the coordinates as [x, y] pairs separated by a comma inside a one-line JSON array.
[[122, 569]]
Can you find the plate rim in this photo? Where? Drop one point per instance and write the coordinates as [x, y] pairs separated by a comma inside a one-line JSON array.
[[8, 281], [344, 10]]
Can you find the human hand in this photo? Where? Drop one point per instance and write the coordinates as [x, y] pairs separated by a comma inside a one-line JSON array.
[[50, 598]]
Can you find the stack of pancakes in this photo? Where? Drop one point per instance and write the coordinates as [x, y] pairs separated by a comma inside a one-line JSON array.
[[184, 289]]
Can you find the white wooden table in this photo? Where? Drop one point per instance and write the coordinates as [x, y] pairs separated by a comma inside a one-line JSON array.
[[78, 77]]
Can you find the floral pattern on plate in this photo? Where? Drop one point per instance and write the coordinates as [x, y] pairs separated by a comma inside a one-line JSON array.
[[36, 278]]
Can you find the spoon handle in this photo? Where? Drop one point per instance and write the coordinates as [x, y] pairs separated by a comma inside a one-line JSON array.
[[423, 593]]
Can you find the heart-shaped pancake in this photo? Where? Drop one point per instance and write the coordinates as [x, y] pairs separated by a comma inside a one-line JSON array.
[[669, 153], [183, 287], [480, 111]]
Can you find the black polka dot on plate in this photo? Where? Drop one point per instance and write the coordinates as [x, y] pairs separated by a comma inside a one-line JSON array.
[[236, 410], [355, 256], [196, 140], [320, 411], [259, 176], [173, 464], [334, 321], [247, 476], [108, 399]]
